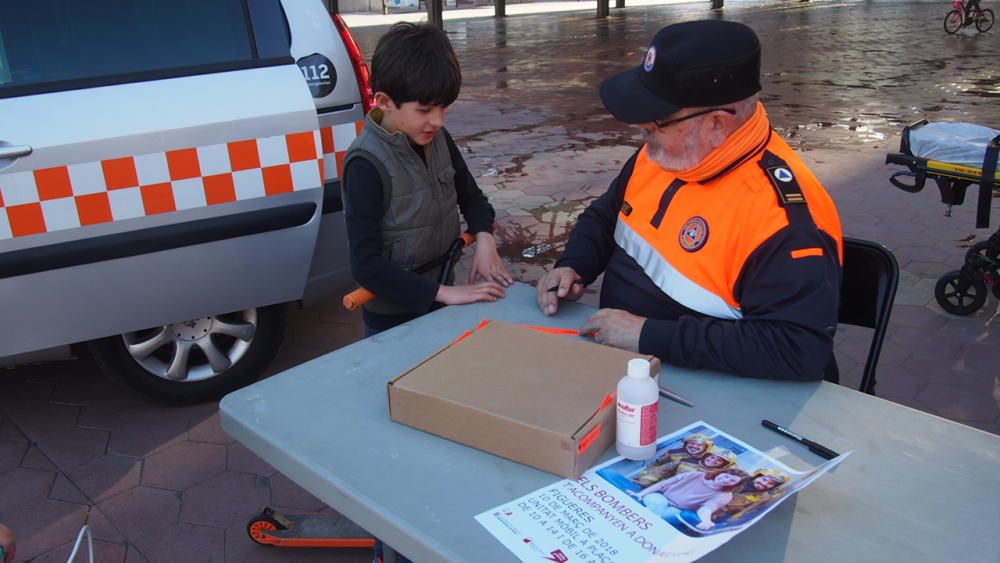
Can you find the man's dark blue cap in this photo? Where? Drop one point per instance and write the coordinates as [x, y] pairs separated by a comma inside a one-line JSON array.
[[691, 64]]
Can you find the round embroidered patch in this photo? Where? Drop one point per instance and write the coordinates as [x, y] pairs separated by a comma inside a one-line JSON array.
[[694, 234], [647, 64], [783, 174]]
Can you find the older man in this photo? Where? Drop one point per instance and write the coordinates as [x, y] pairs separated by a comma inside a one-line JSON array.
[[720, 250]]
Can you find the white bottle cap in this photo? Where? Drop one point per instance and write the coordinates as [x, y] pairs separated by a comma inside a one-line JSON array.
[[638, 368]]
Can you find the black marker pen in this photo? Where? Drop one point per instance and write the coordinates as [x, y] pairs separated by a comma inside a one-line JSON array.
[[556, 287], [815, 448]]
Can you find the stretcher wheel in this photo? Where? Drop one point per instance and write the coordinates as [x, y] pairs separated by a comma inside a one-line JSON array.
[[262, 523], [959, 294]]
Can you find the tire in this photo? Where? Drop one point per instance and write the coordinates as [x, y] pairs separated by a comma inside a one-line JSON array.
[[172, 362], [261, 523], [959, 295], [953, 22], [985, 21]]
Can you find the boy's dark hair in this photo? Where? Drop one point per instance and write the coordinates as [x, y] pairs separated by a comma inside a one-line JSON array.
[[416, 63]]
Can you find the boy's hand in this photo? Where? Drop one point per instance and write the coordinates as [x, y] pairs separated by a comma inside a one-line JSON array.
[[486, 263], [567, 284], [8, 542], [459, 295]]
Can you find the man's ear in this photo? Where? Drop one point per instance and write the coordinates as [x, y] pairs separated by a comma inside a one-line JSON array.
[[383, 101], [720, 126]]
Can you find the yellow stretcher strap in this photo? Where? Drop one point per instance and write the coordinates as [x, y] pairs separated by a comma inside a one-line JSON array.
[[943, 168]]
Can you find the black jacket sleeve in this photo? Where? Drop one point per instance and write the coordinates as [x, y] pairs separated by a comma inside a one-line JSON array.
[[592, 241], [363, 210], [475, 207], [789, 308]]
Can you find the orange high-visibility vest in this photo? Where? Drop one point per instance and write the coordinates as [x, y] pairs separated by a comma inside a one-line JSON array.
[[693, 239]]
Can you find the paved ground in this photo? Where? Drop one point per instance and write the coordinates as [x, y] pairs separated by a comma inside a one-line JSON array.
[[161, 483]]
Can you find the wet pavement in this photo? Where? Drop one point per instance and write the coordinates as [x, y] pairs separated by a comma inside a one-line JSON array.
[[160, 483]]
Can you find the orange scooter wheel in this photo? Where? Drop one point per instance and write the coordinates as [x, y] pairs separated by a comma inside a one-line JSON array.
[[259, 524]]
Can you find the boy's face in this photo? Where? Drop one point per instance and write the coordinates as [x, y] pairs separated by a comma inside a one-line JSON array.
[[417, 121]]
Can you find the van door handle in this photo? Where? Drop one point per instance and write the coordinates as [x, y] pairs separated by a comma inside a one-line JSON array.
[[14, 151]]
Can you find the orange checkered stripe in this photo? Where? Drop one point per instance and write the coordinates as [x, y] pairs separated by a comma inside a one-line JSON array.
[[336, 139], [91, 193]]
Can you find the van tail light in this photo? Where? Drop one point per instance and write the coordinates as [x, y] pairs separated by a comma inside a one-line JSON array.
[[358, 60]]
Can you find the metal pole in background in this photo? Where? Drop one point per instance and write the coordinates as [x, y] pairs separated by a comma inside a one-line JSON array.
[[500, 8], [603, 8], [619, 3], [434, 9]]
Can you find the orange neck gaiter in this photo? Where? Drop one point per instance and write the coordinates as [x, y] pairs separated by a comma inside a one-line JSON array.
[[749, 136]]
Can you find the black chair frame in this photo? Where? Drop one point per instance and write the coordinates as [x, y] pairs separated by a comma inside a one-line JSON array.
[[867, 292]]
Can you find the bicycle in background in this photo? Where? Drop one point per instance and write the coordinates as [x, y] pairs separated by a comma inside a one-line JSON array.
[[967, 13]]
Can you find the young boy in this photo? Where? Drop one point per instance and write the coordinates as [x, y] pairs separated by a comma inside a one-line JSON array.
[[405, 180]]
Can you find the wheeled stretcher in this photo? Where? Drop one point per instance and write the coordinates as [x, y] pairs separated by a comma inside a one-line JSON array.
[[955, 156]]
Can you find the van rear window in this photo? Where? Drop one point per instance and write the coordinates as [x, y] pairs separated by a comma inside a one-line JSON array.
[[54, 41]]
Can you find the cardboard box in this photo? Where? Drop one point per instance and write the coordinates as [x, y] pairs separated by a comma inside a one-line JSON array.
[[542, 399]]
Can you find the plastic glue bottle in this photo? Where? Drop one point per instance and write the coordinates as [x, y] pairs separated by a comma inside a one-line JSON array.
[[638, 405]]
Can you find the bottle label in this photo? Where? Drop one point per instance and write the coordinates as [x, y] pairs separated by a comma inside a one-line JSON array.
[[637, 423]]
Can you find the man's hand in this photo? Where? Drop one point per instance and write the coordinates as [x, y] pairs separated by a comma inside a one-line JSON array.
[[461, 294], [486, 263], [560, 283], [615, 327]]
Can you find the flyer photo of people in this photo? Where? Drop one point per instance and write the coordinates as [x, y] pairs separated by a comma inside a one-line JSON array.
[[699, 489], [702, 481]]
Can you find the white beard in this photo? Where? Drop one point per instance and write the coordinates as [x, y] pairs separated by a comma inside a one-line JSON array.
[[689, 154]]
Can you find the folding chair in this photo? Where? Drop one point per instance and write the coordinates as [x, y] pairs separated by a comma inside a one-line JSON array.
[[871, 276]]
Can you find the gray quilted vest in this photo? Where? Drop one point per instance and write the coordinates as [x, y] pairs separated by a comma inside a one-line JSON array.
[[420, 217]]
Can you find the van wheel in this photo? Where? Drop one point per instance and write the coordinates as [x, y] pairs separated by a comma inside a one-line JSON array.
[[198, 360]]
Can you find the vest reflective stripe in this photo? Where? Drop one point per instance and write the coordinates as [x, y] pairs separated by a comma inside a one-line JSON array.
[[669, 280]]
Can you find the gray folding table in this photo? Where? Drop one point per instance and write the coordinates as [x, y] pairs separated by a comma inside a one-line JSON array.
[[917, 488]]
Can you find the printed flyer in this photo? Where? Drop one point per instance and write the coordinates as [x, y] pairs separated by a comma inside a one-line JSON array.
[[701, 488]]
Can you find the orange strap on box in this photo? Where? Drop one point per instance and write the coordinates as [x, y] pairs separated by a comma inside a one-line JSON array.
[[588, 440], [551, 330], [569, 331], [482, 323]]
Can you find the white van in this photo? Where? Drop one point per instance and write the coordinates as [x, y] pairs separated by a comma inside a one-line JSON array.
[[169, 181]]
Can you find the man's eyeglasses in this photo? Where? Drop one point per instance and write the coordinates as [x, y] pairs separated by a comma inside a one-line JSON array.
[[660, 124]]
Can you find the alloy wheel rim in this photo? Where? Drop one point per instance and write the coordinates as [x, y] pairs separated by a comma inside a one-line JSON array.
[[193, 350]]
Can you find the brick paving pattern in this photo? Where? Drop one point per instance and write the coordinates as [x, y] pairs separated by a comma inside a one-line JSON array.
[[841, 79]]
